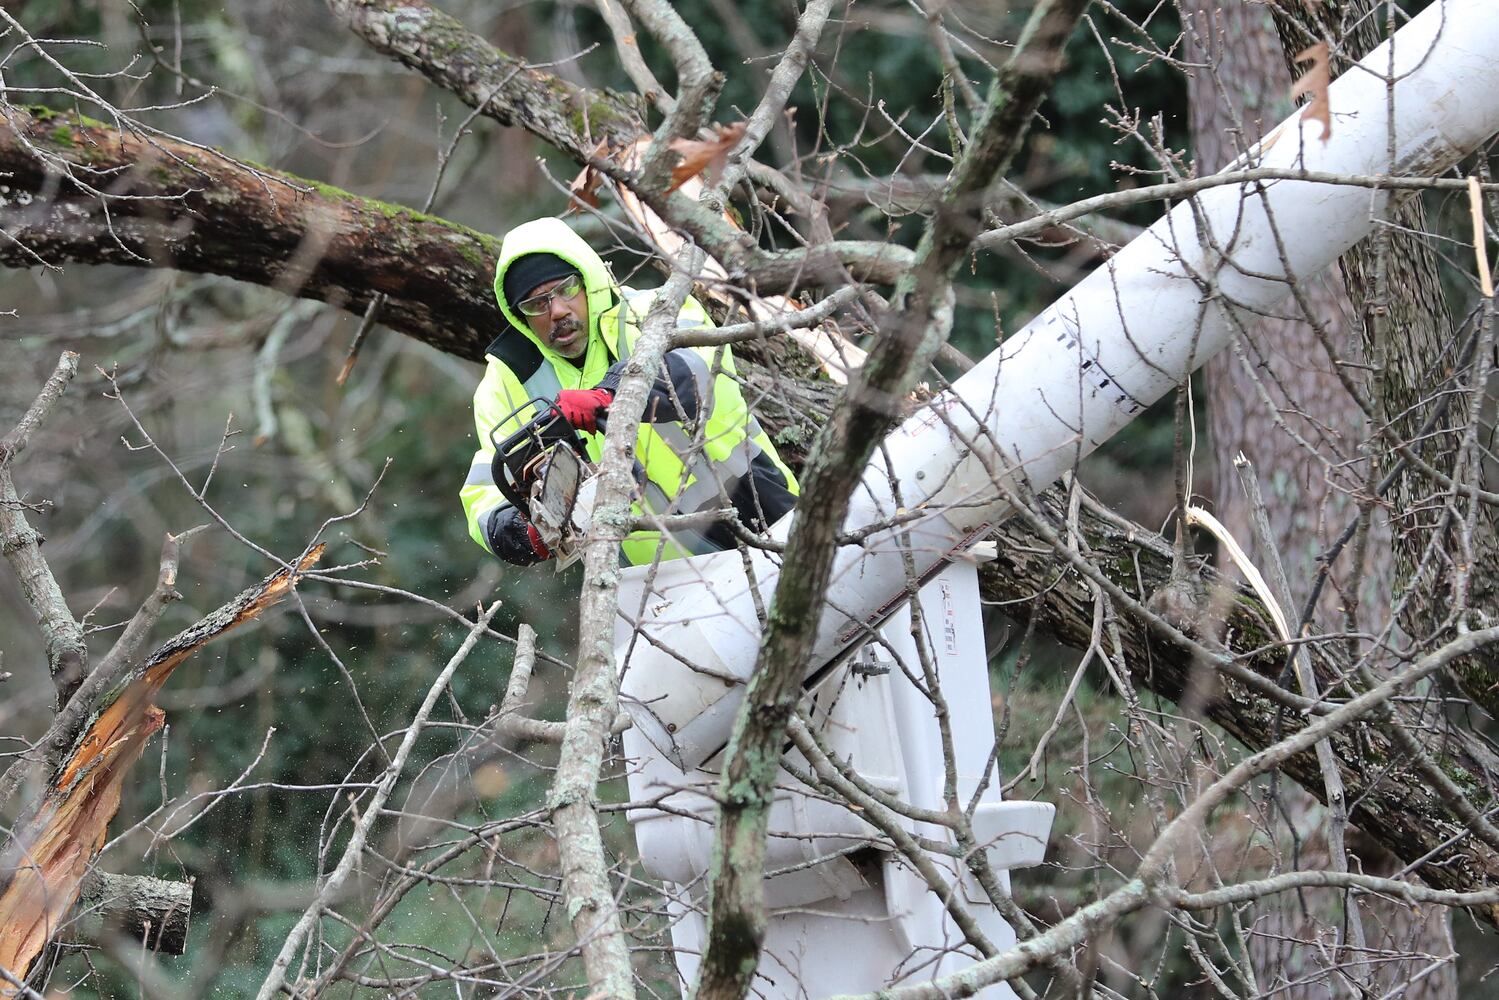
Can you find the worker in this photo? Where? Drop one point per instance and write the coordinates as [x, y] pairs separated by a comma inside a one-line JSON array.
[[569, 330]]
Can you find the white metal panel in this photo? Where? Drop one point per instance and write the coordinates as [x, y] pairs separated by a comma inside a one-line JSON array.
[[875, 713]]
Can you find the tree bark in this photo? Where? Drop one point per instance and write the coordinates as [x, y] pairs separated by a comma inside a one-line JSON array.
[[151, 911], [1239, 90]]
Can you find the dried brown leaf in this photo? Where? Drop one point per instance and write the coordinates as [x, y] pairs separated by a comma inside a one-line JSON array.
[[585, 187], [1314, 82], [584, 190], [705, 157]]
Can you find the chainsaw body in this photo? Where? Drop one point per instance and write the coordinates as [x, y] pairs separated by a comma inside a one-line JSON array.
[[544, 471]]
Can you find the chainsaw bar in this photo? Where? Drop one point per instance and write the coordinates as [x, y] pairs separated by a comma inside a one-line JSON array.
[[555, 511]]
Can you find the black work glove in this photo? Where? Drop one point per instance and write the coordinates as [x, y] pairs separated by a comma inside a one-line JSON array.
[[515, 540]]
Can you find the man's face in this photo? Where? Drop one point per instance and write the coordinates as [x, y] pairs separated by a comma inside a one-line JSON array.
[[562, 320]]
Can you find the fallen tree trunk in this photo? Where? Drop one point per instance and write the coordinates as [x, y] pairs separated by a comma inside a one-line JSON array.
[[43, 865], [269, 228]]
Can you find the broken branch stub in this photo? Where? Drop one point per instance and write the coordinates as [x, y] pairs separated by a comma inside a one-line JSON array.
[[148, 911]]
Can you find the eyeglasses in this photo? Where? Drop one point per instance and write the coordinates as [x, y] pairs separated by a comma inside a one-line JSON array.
[[537, 305]]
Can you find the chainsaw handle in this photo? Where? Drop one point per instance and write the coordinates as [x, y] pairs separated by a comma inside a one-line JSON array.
[[512, 465]]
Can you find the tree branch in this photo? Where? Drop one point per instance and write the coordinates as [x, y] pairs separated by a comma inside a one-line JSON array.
[[506, 88], [149, 911], [910, 333], [173, 205], [62, 634]]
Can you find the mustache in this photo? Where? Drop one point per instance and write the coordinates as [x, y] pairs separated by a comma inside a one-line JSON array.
[[565, 326]]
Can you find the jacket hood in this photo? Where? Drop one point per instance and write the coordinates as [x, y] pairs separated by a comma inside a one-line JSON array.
[[554, 236]]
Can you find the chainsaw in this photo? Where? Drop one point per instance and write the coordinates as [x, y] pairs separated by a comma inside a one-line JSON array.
[[543, 470]]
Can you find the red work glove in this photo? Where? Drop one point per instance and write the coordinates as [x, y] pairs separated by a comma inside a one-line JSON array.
[[583, 407], [537, 545]]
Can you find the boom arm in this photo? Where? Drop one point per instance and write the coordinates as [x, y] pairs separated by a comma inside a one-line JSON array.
[[1084, 367]]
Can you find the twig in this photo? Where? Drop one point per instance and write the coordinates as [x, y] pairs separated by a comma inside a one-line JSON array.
[[512, 720], [334, 884], [760, 329], [1480, 248]]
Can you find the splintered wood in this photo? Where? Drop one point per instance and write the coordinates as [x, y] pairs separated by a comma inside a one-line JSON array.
[[49, 853]]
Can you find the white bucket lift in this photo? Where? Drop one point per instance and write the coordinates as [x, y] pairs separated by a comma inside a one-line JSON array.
[[833, 890]]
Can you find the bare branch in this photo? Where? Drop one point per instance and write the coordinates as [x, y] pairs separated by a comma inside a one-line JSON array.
[[333, 885], [62, 634]]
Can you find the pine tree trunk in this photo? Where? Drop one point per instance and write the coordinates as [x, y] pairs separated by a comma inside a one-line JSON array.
[[1418, 383], [1308, 492]]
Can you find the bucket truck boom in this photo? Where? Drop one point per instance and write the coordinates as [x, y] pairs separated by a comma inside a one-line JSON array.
[[1080, 370]]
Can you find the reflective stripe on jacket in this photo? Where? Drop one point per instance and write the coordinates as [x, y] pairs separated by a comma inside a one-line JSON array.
[[684, 467]]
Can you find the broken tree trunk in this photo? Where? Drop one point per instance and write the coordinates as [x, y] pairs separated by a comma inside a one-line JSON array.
[[44, 862]]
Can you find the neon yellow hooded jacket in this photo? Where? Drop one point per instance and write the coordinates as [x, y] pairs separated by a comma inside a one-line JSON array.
[[685, 469]]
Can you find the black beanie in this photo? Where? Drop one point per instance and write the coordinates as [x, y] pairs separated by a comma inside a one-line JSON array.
[[525, 273]]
